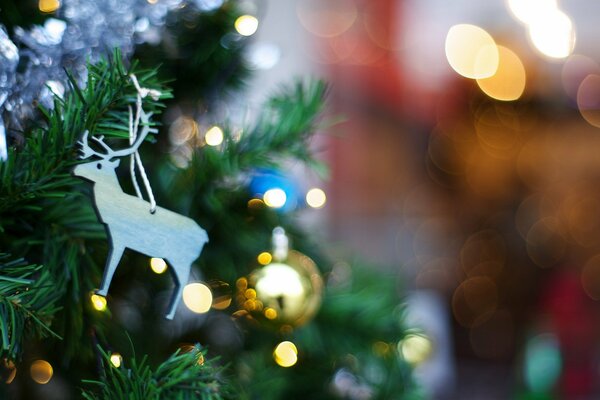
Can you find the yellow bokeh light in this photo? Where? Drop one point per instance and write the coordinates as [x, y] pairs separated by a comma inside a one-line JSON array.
[[553, 34], [264, 258], [98, 302], [316, 198], [285, 354], [270, 313], [275, 198], [527, 11], [197, 297], [41, 371], [48, 6], [246, 25], [471, 51], [116, 360], [221, 303], [415, 348], [214, 136], [255, 204], [158, 265], [508, 83]]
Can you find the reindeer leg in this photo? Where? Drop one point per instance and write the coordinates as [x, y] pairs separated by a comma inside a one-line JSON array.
[[114, 256], [180, 277]]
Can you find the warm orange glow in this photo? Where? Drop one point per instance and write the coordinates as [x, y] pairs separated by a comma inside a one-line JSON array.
[[41, 371], [48, 6], [264, 258], [508, 83]]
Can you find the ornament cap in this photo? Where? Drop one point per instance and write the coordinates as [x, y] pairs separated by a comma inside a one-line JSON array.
[[281, 244]]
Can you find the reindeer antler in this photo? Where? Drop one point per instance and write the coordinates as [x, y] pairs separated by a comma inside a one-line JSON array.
[[145, 117], [86, 151], [84, 148]]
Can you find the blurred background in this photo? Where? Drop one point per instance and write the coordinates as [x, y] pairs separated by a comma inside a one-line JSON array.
[[467, 160]]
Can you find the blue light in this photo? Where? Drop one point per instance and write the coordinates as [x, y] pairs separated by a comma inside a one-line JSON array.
[[266, 179]]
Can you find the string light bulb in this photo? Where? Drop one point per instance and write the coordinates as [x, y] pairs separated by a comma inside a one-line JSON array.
[[158, 265], [246, 25], [116, 360], [98, 302], [286, 354], [275, 198], [197, 297], [316, 198], [214, 136]]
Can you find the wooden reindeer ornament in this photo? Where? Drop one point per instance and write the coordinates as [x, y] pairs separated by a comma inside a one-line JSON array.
[[133, 223]]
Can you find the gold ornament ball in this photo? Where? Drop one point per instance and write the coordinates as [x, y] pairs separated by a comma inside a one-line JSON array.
[[283, 293]]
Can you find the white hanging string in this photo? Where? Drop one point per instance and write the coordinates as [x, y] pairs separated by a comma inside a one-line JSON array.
[[134, 124]]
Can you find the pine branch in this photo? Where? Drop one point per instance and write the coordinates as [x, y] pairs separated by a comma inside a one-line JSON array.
[[43, 215], [27, 303], [283, 130], [40, 167], [184, 375]]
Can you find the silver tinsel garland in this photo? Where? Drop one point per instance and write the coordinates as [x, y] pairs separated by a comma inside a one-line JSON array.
[[33, 63]]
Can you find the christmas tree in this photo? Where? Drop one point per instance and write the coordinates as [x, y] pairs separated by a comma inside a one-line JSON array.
[[259, 318]]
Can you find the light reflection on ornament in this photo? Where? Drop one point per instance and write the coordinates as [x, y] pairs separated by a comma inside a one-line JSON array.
[[316, 198], [471, 51], [264, 258], [286, 354], [158, 265], [98, 302], [275, 198], [41, 371], [214, 136], [197, 297], [116, 360], [48, 6], [284, 293], [270, 313], [415, 348], [246, 25]]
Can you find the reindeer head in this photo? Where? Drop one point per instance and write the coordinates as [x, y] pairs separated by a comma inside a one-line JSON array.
[[104, 164]]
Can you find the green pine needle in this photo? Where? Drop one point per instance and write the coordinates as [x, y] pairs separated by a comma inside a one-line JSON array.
[[184, 375], [27, 302]]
